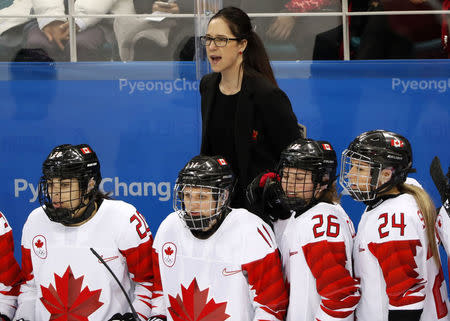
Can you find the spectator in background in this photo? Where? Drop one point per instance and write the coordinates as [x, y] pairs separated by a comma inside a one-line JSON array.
[[157, 38], [11, 29], [92, 33], [245, 115], [399, 36]]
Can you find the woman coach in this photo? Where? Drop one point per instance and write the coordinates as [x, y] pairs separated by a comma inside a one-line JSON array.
[[245, 116]]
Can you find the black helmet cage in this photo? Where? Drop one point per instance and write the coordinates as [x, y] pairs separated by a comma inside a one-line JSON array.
[[69, 162], [201, 177], [317, 157], [380, 150]]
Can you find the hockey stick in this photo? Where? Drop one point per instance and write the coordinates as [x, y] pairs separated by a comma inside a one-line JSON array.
[[135, 315], [439, 178]]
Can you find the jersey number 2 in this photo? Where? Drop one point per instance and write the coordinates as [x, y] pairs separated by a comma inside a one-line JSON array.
[[142, 228]]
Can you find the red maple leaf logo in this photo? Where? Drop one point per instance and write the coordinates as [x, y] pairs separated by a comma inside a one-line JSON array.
[[39, 244], [67, 302], [193, 305], [168, 251]]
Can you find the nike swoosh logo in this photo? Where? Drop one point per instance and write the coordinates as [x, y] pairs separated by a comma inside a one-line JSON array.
[[228, 273], [292, 253], [107, 259]]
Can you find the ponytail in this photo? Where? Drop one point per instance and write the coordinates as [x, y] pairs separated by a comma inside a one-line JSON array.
[[256, 61], [428, 211]]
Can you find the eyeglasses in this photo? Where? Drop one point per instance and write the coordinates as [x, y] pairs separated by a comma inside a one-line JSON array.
[[218, 41]]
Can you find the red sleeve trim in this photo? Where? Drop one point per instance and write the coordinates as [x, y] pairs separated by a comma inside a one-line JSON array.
[[336, 286], [9, 268], [266, 279], [139, 261], [396, 259]]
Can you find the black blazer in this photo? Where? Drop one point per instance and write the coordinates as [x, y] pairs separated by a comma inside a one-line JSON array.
[[264, 124]]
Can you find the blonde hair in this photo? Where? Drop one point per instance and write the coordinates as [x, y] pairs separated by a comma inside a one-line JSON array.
[[426, 207]]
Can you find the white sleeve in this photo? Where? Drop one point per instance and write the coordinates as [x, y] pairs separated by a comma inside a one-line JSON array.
[[91, 7], [48, 7]]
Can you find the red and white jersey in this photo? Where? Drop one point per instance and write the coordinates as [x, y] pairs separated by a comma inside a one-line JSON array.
[[64, 278], [279, 226], [317, 260], [393, 259], [9, 270], [234, 275], [443, 229]]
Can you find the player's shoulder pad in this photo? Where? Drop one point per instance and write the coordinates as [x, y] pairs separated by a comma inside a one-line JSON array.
[[254, 232], [119, 209]]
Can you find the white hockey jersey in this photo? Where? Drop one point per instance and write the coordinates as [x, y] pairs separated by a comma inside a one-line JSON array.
[[393, 259], [65, 281], [9, 270], [234, 275], [316, 249], [279, 226], [443, 229]]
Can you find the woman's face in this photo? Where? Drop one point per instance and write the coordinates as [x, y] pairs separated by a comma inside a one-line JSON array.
[[227, 58], [199, 201], [65, 193], [297, 183], [360, 176]]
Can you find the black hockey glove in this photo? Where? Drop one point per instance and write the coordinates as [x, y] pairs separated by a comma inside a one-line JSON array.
[[263, 196], [123, 317], [158, 318], [4, 318]]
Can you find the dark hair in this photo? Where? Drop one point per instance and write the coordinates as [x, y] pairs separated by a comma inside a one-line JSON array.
[[255, 58]]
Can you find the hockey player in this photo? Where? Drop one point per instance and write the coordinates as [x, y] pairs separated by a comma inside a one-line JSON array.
[[443, 219], [9, 272], [215, 263], [63, 278], [395, 251], [317, 241]]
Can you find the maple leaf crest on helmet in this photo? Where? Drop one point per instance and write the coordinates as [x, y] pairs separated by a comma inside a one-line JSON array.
[[67, 301], [169, 254], [193, 305]]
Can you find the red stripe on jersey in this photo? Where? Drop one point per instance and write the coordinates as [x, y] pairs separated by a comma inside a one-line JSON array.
[[157, 285], [142, 316], [268, 233], [396, 259], [266, 279], [139, 261], [27, 266], [334, 282], [9, 268], [259, 231]]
